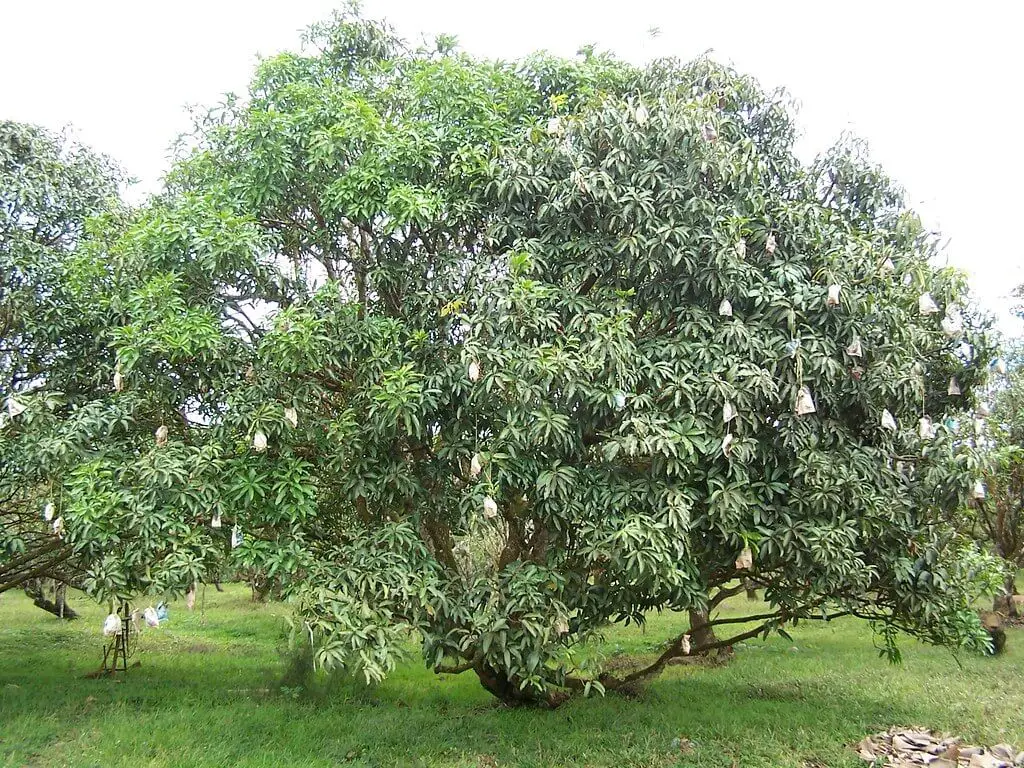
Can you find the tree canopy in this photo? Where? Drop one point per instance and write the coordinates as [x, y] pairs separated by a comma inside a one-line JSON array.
[[999, 516], [502, 352], [51, 189]]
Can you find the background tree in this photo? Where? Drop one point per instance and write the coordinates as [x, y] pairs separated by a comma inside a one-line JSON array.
[[505, 352], [70, 438], [50, 187], [1000, 515]]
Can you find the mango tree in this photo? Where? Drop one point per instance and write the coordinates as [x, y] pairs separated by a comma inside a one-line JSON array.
[[501, 353], [51, 188], [998, 518]]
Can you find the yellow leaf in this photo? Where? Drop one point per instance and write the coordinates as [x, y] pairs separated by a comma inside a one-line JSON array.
[[452, 306]]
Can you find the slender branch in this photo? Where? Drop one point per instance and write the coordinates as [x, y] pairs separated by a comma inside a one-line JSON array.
[[733, 640], [19, 562], [745, 619], [674, 649], [457, 669]]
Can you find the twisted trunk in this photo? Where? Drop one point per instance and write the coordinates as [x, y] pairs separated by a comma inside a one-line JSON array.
[[508, 692], [58, 606]]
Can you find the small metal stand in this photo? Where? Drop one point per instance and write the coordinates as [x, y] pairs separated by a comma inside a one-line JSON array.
[[121, 646]]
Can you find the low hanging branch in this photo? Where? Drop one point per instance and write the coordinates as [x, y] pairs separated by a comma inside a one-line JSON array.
[[676, 647], [38, 562]]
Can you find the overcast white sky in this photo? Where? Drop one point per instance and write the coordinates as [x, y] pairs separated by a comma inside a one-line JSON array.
[[933, 86]]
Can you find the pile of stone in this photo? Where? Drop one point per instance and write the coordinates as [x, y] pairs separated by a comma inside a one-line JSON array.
[[915, 747]]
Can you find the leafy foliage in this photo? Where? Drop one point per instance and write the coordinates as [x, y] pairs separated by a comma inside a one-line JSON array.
[[999, 517], [51, 190], [443, 339]]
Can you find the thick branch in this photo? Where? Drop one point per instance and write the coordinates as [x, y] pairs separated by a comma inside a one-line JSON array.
[[41, 570], [675, 648], [443, 543], [20, 562], [724, 594]]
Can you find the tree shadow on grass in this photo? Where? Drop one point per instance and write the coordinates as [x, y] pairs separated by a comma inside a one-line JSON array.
[[225, 706], [183, 714]]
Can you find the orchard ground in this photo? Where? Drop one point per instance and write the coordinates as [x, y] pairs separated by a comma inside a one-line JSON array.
[[209, 693]]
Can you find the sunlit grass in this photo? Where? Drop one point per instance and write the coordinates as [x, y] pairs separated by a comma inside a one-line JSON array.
[[208, 693]]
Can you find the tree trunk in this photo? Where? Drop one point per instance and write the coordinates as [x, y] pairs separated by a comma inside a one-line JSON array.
[[751, 589], [60, 594], [701, 634], [1004, 603], [508, 692], [57, 607]]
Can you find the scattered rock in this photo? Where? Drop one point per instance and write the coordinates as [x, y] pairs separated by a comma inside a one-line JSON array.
[[682, 745], [915, 747]]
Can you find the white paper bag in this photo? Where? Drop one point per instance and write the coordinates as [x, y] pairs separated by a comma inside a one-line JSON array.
[[888, 421], [728, 412], [112, 625], [745, 561], [832, 300], [952, 325], [490, 508], [926, 305]]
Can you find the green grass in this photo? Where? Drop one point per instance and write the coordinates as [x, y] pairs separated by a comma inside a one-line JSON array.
[[208, 694]]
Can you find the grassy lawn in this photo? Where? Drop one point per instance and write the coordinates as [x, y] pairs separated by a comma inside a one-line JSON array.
[[208, 694]]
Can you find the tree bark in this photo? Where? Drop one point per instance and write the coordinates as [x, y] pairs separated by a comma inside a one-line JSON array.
[[508, 692], [1004, 603], [751, 589], [701, 633], [58, 607], [60, 595]]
